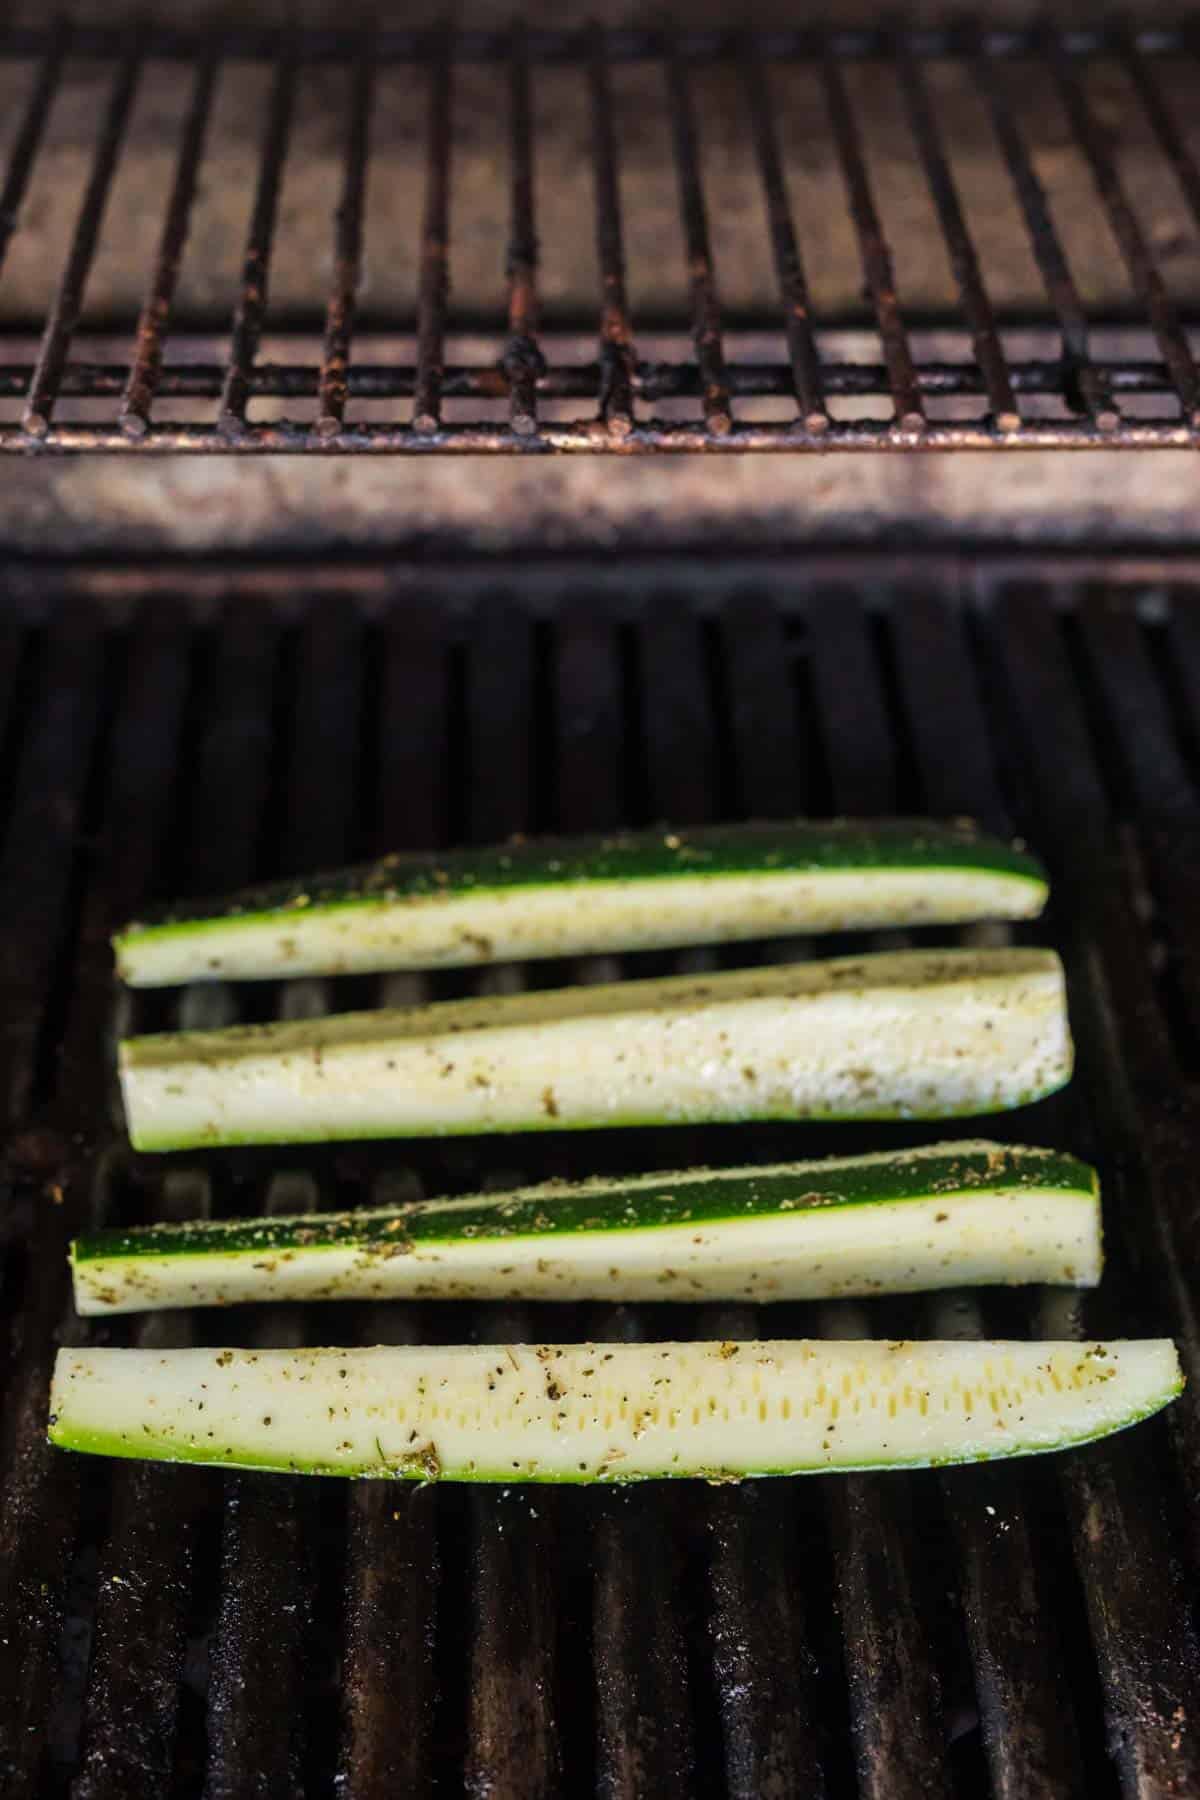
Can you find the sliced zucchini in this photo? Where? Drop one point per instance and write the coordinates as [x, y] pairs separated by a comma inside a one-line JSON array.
[[573, 896], [605, 1412], [949, 1214], [908, 1034]]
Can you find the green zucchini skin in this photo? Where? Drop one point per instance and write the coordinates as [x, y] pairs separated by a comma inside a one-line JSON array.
[[904, 1034], [571, 896], [617, 1412], [950, 1214]]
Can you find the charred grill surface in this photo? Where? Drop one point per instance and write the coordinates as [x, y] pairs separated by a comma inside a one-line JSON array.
[[1017, 1631]]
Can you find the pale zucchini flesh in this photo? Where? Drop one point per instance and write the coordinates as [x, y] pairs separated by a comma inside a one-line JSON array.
[[908, 1034], [605, 1412], [948, 1214], [634, 891]]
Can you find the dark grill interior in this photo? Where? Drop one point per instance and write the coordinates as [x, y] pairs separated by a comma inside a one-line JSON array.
[[1016, 1630], [1071, 371]]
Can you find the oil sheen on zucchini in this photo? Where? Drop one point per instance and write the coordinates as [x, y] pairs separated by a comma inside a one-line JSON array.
[[605, 1412], [569, 896], [946, 1215], [907, 1034]]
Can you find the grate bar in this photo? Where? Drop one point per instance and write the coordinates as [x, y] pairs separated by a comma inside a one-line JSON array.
[[1028, 1721], [650, 381], [514, 1730], [891, 1673], [256, 261], [347, 250], [39, 1518], [435, 249], [233, 760], [646, 1726], [133, 1697], [1138, 1600], [1162, 121], [145, 1589], [639, 1653], [29, 137], [655, 438], [963, 257], [42, 834], [1146, 1649], [1157, 783], [942, 712], [874, 251], [514, 1747], [523, 362], [319, 824], [588, 778], [40, 1504], [40, 1511], [706, 312], [1085, 387], [68, 300], [770, 758], [398, 44], [392, 1584], [1143, 270], [789, 266], [266, 1592], [153, 323], [393, 1578], [770, 1718], [617, 357], [268, 1573], [849, 705]]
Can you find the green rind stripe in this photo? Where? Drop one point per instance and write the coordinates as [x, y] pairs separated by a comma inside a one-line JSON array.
[[803, 847], [557, 1209], [99, 1443]]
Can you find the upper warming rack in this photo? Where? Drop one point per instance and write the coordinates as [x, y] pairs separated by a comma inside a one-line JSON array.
[[290, 209]]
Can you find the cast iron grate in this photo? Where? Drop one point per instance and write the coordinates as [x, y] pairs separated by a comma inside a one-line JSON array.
[[1014, 1630], [793, 385]]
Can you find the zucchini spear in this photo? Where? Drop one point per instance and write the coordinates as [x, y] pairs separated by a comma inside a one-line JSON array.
[[605, 1412], [947, 1215], [572, 896], [910, 1034]]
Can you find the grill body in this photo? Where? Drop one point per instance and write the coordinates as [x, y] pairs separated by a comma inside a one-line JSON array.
[[1016, 1630]]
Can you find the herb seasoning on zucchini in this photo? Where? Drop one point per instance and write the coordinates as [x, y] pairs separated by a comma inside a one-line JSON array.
[[909, 1034], [947, 1215], [605, 1412], [571, 896]]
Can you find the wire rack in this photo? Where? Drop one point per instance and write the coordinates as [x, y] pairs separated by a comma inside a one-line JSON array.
[[1145, 401]]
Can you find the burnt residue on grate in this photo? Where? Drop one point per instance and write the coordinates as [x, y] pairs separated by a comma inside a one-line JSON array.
[[1013, 1631], [528, 390]]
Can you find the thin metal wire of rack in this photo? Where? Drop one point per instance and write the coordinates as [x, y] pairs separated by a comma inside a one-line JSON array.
[[618, 389]]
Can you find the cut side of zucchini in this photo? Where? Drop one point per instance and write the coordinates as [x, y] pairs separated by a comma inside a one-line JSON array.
[[605, 1412], [571, 896], [951, 1214], [910, 1034]]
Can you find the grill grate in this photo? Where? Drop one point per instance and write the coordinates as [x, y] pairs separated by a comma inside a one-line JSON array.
[[1020, 1629], [1062, 387]]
